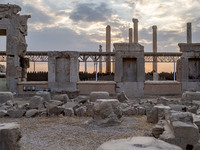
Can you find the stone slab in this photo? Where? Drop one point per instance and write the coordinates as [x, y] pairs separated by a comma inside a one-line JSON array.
[[138, 143]]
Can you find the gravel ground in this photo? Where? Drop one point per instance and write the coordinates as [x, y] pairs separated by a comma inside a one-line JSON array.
[[75, 133]]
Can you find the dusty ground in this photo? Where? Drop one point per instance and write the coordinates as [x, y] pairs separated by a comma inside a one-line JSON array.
[[74, 133]]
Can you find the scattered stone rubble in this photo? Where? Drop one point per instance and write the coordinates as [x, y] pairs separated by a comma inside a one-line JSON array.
[[43, 105], [178, 120]]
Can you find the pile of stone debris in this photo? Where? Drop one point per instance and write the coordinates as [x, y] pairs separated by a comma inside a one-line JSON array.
[[97, 103], [178, 123], [177, 120]]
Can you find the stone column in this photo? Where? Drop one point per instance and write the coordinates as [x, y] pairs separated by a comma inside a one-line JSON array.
[[108, 48], [100, 59], [135, 22], [189, 32], [155, 74], [154, 48], [130, 35], [113, 62]]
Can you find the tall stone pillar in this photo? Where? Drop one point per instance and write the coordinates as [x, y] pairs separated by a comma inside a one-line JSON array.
[[189, 32], [108, 48], [100, 59], [130, 35], [155, 73], [113, 70], [154, 48], [135, 22]]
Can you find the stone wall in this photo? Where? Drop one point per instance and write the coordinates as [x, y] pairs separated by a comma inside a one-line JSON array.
[[188, 67], [14, 27], [129, 68], [63, 70]]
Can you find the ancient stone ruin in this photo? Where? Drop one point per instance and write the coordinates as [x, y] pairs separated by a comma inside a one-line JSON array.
[[176, 117], [14, 27]]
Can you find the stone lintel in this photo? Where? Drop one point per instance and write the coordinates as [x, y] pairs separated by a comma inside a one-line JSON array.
[[189, 47], [128, 47]]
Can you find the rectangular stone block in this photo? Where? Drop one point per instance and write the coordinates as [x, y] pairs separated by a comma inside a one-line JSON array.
[[9, 136]]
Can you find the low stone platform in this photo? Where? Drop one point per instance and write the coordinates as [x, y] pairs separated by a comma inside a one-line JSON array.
[[162, 88], [86, 87]]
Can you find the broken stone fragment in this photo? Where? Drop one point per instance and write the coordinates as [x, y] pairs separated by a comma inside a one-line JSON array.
[[32, 113], [5, 96], [98, 95], [107, 112], [36, 102], [57, 110], [157, 113], [10, 136], [16, 113], [46, 95], [141, 111], [190, 96], [81, 111], [62, 97], [68, 112], [81, 99], [3, 113], [122, 97]]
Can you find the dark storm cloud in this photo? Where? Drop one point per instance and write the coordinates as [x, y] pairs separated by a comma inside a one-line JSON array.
[[91, 12]]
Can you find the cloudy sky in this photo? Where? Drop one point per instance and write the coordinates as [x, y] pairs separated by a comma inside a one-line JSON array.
[[80, 24]]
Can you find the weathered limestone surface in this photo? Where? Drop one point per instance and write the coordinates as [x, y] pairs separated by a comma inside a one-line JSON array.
[[135, 24], [155, 75], [81, 99], [122, 97], [31, 113], [63, 70], [36, 102], [108, 48], [107, 112], [81, 111], [3, 113], [129, 68], [188, 70], [138, 143], [130, 35], [62, 97], [5, 96], [45, 95], [189, 32], [190, 96], [98, 95], [9, 136], [14, 26], [157, 113], [16, 112], [179, 129]]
